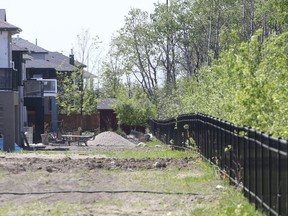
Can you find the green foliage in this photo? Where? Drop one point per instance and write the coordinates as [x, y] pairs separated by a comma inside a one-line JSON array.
[[136, 54], [205, 56], [247, 85], [110, 81], [112, 73], [155, 142], [135, 110], [274, 12], [75, 96], [168, 103]]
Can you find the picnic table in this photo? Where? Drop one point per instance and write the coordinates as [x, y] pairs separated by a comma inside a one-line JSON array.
[[79, 138]]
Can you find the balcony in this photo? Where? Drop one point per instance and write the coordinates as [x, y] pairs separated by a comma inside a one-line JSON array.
[[33, 88], [8, 79], [50, 87], [40, 88]]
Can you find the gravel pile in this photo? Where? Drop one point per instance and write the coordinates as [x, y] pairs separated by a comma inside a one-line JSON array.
[[111, 139]]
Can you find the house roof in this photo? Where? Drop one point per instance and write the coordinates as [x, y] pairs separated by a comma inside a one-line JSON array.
[[106, 103], [15, 47], [60, 61], [25, 44], [39, 63], [5, 26], [54, 60]]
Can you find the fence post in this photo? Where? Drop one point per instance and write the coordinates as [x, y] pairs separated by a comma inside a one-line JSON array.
[[236, 157], [278, 177], [258, 169], [224, 128], [286, 182], [214, 141], [246, 164], [218, 157], [262, 172], [249, 163], [269, 171], [253, 163], [201, 143], [230, 142]]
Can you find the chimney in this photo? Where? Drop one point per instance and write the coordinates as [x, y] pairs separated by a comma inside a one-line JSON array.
[[3, 15], [71, 58]]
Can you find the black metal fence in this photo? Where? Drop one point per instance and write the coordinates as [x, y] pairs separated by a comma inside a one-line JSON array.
[[250, 158]]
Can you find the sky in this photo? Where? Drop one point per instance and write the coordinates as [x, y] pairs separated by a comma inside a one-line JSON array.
[[55, 24]]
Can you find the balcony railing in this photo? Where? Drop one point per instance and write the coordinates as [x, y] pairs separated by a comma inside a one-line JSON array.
[[50, 87], [33, 88], [40, 87], [8, 79]]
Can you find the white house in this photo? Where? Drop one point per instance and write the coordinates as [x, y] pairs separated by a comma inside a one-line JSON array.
[[10, 80]]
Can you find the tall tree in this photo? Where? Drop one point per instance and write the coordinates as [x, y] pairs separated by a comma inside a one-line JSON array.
[[86, 49], [165, 28], [77, 93], [112, 73], [136, 47]]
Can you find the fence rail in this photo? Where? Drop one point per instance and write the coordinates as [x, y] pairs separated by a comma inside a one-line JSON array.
[[250, 158]]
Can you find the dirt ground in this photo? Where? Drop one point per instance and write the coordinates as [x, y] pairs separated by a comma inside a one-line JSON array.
[[85, 183]]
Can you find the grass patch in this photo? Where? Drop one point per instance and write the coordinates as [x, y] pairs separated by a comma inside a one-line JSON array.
[[42, 208], [145, 153], [154, 142]]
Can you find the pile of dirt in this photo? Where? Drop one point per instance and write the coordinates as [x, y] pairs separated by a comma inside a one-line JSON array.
[[110, 138]]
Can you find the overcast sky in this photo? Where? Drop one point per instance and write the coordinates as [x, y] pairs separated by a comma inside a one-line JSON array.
[[56, 23]]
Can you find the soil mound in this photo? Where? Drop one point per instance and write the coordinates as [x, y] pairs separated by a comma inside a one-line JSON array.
[[110, 138]]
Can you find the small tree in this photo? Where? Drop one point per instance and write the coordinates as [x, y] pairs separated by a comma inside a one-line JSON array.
[[135, 110], [75, 95], [78, 94]]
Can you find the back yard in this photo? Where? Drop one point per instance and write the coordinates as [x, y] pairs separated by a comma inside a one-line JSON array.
[[113, 176]]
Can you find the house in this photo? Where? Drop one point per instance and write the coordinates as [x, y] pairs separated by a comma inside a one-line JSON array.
[[28, 84], [42, 67], [11, 88]]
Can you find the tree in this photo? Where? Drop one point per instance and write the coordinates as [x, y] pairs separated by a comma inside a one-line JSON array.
[[86, 49], [135, 46], [77, 93], [165, 28], [135, 110], [112, 75], [247, 85], [209, 56]]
